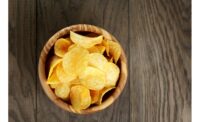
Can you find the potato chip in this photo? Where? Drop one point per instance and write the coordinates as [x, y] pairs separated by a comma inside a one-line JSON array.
[[62, 91], [53, 86], [53, 79], [114, 50], [110, 60], [95, 94], [112, 74], [101, 48], [97, 49], [63, 76], [93, 49], [102, 93], [80, 97], [61, 46], [92, 78], [106, 45], [54, 60], [84, 41], [76, 60], [75, 82], [97, 60], [72, 46]]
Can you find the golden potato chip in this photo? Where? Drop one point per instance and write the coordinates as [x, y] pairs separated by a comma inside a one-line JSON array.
[[72, 46], [97, 60], [97, 49], [84, 41], [102, 93], [63, 76], [114, 50], [75, 82], [93, 49], [76, 60], [106, 45], [101, 48], [62, 91], [112, 74], [95, 94], [61, 46], [92, 78], [111, 60], [54, 60], [53, 79], [80, 97], [53, 86]]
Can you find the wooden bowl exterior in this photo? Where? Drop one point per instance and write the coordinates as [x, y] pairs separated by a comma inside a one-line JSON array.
[[42, 75]]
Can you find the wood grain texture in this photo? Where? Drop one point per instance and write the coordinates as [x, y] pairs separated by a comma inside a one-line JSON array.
[[160, 60], [22, 61], [156, 37], [53, 15]]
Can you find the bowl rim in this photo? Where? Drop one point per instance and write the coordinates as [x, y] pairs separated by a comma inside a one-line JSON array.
[[42, 75]]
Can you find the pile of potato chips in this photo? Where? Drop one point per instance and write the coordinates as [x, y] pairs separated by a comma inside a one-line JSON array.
[[83, 69]]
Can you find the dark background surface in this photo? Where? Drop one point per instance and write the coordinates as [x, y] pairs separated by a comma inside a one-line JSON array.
[[155, 34]]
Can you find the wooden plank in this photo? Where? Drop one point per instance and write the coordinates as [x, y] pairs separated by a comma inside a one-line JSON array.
[[52, 15], [22, 61], [160, 60]]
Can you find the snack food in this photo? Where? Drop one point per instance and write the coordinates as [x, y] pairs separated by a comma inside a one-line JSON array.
[[86, 42], [53, 79], [93, 78], [114, 50], [54, 60], [97, 60], [63, 76], [112, 73], [62, 91], [97, 49], [80, 97], [61, 46], [95, 96], [83, 69], [76, 60]]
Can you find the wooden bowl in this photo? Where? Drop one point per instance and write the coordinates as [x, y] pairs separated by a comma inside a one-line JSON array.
[[122, 63]]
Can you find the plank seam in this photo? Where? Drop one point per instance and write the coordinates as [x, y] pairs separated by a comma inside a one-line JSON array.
[[36, 48], [129, 60]]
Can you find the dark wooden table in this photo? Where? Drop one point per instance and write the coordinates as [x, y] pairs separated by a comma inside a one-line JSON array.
[[155, 34]]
